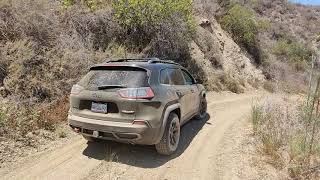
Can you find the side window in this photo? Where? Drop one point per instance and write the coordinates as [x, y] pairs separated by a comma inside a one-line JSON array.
[[176, 76], [188, 78], [164, 78]]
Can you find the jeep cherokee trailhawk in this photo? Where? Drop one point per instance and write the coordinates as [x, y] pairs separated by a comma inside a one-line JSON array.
[[138, 101]]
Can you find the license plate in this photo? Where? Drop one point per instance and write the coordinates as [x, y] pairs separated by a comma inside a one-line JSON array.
[[99, 108]]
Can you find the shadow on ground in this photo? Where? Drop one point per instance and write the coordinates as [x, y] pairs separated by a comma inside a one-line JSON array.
[[143, 156]]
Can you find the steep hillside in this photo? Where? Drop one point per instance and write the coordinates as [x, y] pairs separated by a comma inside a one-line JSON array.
[[226, 66], [279, 36], [290, 40]]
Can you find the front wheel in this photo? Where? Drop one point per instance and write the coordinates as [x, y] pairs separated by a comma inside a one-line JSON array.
[[202, 109], [171, 136]]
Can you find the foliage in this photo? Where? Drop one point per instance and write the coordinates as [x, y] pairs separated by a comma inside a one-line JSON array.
[[61, 132], [289, 132], [138, 13], [292, 51], [241, 22], [255, 117], [91, 4], [157, 28], [225, 3], [67, 3], [263, 25], [318, 37], [233, 84]]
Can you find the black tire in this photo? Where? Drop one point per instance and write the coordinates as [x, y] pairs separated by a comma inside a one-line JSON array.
[[89, 139], [202, 109], [171, 136]]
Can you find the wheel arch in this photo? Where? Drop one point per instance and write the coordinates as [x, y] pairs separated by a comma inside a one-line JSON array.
[[203, 94], [174, 108]]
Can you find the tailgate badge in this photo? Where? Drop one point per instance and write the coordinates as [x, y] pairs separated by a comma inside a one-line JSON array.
[[96, 95]]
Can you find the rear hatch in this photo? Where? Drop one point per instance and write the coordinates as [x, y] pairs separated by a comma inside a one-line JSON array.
[[98, 94]]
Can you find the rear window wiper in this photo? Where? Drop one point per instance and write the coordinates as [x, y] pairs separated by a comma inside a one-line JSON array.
[[110, 87]]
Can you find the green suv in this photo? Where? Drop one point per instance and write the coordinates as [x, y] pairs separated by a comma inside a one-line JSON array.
[[138, 101]]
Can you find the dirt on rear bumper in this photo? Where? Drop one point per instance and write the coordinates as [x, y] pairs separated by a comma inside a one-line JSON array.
[[115, 131]]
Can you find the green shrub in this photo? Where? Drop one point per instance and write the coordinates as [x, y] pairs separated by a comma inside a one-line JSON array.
[[298, 149], [61, 132], [225, 3], [264, 25], [318, 37], [241, 22], [138, 13], [256, 116], [233, 84], [158, 28], [67, 3], [270, 86], [293, 52], [93, 5]]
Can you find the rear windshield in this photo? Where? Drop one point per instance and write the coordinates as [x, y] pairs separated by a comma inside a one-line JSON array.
[[117, 77]]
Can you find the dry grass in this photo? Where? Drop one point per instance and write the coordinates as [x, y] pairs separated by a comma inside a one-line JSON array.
[[46, 46], [279, 125], [44, 49]]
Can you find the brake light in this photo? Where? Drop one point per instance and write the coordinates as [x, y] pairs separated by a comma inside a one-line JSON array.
[[136, 93], [76, 89]]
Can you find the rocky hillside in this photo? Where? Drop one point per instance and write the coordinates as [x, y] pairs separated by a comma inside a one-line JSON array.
[[226, 65], [290, 41]]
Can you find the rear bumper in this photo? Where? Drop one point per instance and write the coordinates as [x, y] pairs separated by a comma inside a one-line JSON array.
[[116, 131]]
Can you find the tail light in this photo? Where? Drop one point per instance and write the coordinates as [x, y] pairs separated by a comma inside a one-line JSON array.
[[137, 93], [139, 122], [76, 89]]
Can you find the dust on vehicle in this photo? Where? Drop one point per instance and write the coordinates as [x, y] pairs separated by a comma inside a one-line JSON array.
[[138, 101]]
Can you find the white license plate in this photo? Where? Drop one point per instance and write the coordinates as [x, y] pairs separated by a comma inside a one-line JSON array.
[[99, 108]]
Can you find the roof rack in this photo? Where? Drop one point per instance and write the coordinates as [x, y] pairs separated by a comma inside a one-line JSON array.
[[149, 60], [162, 61], [132, 59]]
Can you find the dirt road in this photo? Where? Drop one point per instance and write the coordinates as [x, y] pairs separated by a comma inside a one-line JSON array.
[[209, 149]]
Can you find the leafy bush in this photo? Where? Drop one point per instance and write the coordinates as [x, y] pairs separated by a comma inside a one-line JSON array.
[[241, 22], [255, 117], [292, 51], [318, 37], [91, 4], [61, 132], [139, 13], [163, 28]]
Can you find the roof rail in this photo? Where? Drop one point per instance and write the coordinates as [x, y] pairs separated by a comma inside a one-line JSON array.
[[133, 59], [163, 61], [148, 60]]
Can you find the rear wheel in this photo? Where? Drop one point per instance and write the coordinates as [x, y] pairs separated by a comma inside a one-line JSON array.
[[202, 109], [171, 136]]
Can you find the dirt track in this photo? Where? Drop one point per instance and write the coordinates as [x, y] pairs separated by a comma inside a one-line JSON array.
[[208, 150]]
